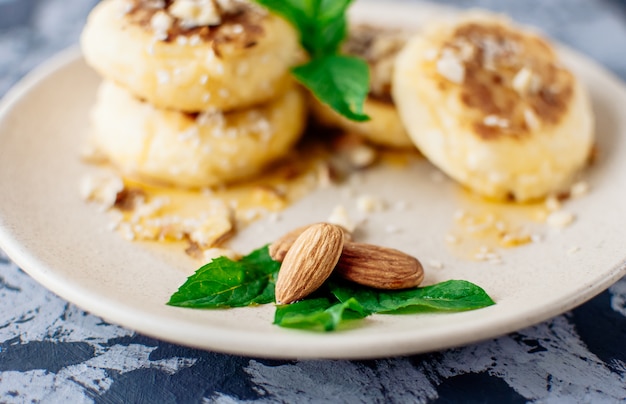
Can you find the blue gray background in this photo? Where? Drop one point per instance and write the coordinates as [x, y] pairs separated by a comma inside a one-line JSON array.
[[53, 352]]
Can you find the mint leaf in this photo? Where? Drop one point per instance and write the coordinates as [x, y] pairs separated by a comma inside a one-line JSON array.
[[320, 313], [226, 283], [340, 81], [321, 23], [453, 295]]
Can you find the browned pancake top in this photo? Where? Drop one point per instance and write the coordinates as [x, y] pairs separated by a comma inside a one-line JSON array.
[[379, 47], [241, 27], [513, 82]]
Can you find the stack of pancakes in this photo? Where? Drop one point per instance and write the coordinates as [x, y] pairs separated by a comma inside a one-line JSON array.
[[196, 93]]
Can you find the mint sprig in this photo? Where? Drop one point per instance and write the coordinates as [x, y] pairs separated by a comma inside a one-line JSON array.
[[223, 283], [339, 81], [226, 283]]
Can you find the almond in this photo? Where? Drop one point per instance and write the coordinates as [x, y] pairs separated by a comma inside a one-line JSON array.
[[279, 248], [379, 267], [309, 262]]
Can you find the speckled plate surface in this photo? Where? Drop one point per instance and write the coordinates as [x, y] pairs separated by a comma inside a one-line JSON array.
[[64, 243]]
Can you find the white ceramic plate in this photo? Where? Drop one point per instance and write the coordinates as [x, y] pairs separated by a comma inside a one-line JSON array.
[[65, 245]]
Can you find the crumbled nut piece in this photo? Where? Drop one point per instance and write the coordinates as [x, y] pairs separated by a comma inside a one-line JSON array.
[[522, 81], [196, 13], [161, 22], [579, 189], [531, 120], [369, 204], [450, 66], [340, 217], [101, 188], [496, 121], [213, 231], [552, 203], [560, 219], [486, 254], [362, 156]]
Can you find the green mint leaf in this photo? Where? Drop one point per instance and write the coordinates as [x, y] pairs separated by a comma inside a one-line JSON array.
[[453, 295], [225, 283], [331, 27], [321, 23], [342, 82], [318, 314]]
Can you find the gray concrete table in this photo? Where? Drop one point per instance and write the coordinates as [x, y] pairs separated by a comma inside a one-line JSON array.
[[51, 351]]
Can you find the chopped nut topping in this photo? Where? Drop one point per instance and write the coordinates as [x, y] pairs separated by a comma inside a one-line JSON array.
[[531, 120], [196, 13], [161, 22], [500, 71], [522, 81], [220, 22], [494, 120], [451, 67]]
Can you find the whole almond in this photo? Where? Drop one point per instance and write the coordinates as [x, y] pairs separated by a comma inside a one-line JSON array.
[[379, 267], [278, 249], [309, 262]]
